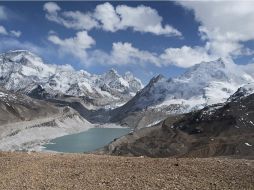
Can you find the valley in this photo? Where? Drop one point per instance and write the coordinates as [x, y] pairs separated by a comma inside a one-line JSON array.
[[39, 105], [127, 95]]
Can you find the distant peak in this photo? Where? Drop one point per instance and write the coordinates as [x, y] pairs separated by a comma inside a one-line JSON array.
[[111, 74], [218, 63], [160, 76], [112, 71], [157, 78], [128, 75], [14, 53], [20, 52]]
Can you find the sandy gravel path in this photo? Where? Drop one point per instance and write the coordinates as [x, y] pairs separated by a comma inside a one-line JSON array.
[[80, 171]]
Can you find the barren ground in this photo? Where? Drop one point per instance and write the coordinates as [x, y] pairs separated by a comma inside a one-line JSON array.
[[87, 171]]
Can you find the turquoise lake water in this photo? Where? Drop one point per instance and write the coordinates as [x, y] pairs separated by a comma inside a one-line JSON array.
[[86, 141]]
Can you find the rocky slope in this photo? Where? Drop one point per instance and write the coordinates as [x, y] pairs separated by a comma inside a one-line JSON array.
[[23, 71], [219, 130], [15, 107], [26, 123]]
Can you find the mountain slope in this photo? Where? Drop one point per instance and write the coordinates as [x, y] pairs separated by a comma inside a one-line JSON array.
[[26, 123], [15, 107], [219, 130], [23, 71]]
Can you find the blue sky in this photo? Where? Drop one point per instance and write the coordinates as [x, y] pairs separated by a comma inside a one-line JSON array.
[[146, 38]]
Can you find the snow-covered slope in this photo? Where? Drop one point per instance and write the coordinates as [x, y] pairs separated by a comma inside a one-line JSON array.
[[203, 84], [23, 71], [242, 92]]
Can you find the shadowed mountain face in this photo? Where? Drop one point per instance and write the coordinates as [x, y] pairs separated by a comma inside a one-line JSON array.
[[219, 130]]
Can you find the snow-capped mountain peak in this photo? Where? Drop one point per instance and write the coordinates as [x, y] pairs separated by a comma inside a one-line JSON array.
[[21, 70], [111, 74], [203, 84]]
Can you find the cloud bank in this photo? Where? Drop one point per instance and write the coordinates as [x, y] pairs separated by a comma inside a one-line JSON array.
[[109, 18], [224, 28], [225, 25]]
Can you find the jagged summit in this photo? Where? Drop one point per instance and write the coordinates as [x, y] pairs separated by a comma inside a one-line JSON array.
[[19, 51], [15, 55], [112, 71], [112, 74], [158, 77]]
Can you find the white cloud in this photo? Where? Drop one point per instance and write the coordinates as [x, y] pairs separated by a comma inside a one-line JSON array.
[[3, 31], [52, 32], [224, 24], [122, 53], [3, 14], [70, 19], [51, 7], [16, 33], [185, 56], [9, 43], [125, 53], [144, 19], [108, 18], [78, 20], [75, 46]]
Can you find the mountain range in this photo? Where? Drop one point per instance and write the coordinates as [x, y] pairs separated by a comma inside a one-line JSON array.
[[24, 72], [204, 84], [37, 96]]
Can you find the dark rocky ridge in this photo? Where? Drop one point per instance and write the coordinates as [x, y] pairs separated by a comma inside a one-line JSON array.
[[219, 130]]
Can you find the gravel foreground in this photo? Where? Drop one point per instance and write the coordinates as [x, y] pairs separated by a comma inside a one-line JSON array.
[[87, 171]]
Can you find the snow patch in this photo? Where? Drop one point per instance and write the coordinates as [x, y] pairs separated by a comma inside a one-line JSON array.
[[247, 144], [3, 95]]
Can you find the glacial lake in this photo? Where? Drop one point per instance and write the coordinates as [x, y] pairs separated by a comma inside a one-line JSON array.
[[86, 141]]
